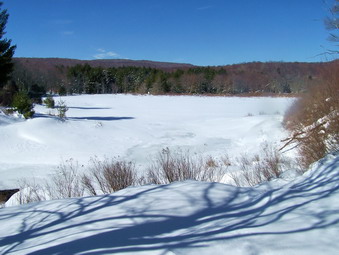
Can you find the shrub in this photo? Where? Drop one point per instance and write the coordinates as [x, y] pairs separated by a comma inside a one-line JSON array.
[[23, 104], [264, 166], [62, 109], [104, 177], [109, 176], [49, 101], [66, 182], [28, 115], [30, 192], [314, 119], [170, 167]]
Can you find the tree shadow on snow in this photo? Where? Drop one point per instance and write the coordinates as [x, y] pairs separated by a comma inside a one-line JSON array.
[[95, 118], [235, 217], [42, 115], [89, 108], [98, 118]]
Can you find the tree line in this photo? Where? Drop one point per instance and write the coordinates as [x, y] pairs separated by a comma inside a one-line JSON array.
[[87, 79], [256, 77]]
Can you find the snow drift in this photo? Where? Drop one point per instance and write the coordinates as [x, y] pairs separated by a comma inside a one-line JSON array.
[[301, 217]]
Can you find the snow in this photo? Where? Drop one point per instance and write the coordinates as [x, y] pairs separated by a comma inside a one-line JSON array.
[[293, 215], [301, 217], [135, 128]]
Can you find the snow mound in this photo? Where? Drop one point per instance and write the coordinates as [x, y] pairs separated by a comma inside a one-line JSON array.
[[189, 217]]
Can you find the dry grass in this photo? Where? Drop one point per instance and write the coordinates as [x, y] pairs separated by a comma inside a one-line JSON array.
[[66, 181], [314, 119], [30, 192], [109, 176], [179, 166], [268, 164]]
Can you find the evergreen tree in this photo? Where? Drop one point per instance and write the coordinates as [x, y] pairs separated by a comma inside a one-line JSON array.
[[23, 104], [6, 50]]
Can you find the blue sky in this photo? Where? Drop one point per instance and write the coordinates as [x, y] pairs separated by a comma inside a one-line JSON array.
[[201, 32]]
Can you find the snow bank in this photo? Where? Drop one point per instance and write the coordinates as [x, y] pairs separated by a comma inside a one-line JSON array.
[[185, 218]]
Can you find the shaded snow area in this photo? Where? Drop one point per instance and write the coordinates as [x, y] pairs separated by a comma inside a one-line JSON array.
[[135, 128], [189, 217]]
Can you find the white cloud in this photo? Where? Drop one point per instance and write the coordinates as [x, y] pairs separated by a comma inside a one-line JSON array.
[[202, 8], [67, 32], [103, 54]]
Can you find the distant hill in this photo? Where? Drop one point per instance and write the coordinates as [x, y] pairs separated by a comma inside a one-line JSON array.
[[130, 76], [50, 63]]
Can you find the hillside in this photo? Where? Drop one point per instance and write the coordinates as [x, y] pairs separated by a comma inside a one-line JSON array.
[[128, 76], [50, 63], [300, 217]]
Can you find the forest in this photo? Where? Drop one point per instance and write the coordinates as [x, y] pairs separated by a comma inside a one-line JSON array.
[[66, 76]]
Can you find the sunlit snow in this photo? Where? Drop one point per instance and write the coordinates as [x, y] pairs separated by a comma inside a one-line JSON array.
[[189, 217], [136, 128]]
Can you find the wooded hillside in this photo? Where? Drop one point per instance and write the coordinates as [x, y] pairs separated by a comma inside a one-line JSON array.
[[128, 76]]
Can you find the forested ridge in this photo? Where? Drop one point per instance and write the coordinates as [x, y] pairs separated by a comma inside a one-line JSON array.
[[128, 76]]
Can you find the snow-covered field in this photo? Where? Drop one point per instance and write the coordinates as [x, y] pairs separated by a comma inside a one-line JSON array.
[[136, 128], [277, 217], [301, 217]]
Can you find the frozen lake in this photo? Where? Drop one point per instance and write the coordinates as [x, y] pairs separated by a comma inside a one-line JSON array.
[[136, 128]]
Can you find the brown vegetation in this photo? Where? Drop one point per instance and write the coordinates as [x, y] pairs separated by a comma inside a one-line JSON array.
[[109, 176], [314, 119], [264, 166], [170, 167], [161, 78]]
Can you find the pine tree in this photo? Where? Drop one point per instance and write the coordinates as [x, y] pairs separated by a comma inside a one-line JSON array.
[[6, 50]]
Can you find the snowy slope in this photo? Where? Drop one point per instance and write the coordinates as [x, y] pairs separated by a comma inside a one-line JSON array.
[[136, 128], [185, 218]]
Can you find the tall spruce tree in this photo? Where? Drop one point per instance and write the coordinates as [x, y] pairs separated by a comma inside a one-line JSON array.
[[6, 50]]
